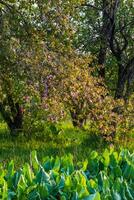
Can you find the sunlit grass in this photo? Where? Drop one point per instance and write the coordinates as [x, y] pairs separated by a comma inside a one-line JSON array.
[[68, 140]]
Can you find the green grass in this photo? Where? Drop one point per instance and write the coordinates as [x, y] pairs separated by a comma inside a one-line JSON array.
[[69, 140]]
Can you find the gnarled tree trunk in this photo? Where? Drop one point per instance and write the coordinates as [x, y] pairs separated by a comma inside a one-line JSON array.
[[14, 117], [109, 10]]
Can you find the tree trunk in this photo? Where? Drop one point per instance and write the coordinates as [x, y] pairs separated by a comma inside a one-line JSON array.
[[14, 119], [16, 125], [120, 83], [101, 59], [76, 120], [125, 79], [109, 11]]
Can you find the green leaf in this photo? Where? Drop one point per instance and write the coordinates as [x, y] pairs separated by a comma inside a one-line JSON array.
[[85, 164], [95, 196], [10, 173], [128, 171], [42, 176], [34, 195], [43, 190], [11, 195], [106, 157], [47, 163], [61, 183], [34, 161], [116, 196], [16, 178], [63, 198], [57, 163], [75, 196], [129, 191], [93, 155], [28, 173]]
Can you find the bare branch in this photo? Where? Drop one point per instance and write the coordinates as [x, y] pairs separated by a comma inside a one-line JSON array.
[[124, 36]]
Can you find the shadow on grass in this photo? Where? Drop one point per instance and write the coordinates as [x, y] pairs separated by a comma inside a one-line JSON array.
[[75, 141]]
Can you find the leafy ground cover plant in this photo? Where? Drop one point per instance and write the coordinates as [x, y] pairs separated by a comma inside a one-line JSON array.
[[109, 176]]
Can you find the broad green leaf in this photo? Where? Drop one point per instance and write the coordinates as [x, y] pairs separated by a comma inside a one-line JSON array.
[[27, 171], [106, 157], [95, 196], [57, 164], [16, 178], [34, 161], [42, 176], [10, 173], [43, 191], [116, 196]]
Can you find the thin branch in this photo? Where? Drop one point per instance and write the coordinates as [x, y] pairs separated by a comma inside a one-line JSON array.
[[128, 70], [111, 41], [91, 6]]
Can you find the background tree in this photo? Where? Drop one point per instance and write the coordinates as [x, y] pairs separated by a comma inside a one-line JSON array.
[[15, 40], [108, 24], [33, 37]]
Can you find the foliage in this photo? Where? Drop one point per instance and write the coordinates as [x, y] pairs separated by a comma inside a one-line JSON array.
[[127, 124], [28, 43], [109, 25], [49, 75], [105, 176], [78, 92], [43, 73]]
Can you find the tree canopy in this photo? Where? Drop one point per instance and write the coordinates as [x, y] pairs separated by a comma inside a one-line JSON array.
[[68, 58]]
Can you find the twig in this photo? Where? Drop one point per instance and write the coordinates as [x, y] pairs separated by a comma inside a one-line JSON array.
[[91, 6]]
